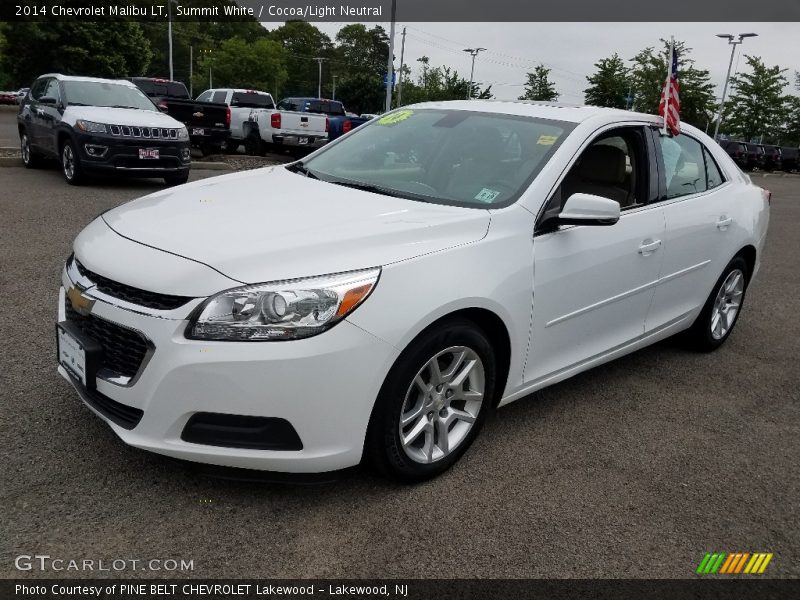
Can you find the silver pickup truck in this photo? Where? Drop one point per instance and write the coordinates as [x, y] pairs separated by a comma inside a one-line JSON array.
[[275, 130]]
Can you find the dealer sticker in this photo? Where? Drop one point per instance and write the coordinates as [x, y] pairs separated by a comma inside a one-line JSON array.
[[487, 195], [395, 117], [547, 140]]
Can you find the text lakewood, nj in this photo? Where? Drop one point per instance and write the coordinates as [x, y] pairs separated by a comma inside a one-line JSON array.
[[309, 11]]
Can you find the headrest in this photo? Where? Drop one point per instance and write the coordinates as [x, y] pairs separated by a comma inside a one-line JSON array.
[[602, 164]]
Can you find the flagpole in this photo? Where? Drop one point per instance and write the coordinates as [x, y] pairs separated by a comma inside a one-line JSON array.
[[667, 86]]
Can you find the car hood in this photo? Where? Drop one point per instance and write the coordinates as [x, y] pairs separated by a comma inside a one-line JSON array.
[[272, 224], [120, 116]]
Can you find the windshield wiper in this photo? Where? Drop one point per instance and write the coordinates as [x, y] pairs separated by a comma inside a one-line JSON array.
[[121, 106], [369, 187], [299, 167]]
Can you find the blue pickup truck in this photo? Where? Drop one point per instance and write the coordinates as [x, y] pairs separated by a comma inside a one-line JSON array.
[[339, 122]]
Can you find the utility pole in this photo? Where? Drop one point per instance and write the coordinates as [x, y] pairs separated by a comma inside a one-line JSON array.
[[474, 53], [400, 79], [733, 44], [191, 67], [169, 35], [390, 61], [207, 52], [319, 80], [334, 87]]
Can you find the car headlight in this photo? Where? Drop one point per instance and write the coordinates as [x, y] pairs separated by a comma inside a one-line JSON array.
[[183, 134], [90, 126], [282, 310]]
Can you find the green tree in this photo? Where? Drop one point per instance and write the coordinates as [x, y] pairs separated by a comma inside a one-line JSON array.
[[257, 65], [791, 131], [107, 49], [649, 72], [439, 84], [539, 86], [757, 105], [303, 43], [608, 86], [360, 56]]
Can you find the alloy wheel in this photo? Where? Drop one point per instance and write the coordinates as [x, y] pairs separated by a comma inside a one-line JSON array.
[[68, 161], [25, 148], [727, 304], [442, 404]]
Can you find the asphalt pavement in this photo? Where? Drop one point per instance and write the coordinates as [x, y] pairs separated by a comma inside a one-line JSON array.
[[634, 469]]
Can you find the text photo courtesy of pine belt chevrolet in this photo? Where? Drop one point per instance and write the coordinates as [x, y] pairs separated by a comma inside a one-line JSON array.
[[100, 127], [378, 299]]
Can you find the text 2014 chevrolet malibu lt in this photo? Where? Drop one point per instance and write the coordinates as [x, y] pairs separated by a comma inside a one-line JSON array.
[[376, 300]]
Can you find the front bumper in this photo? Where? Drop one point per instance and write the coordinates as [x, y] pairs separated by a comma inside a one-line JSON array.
[[107, 154], [324, 386]]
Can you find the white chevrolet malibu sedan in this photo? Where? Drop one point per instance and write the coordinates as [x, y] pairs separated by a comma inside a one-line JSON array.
[[378, 299]]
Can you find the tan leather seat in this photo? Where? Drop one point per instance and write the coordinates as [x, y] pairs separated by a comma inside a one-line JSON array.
[[601, 171]]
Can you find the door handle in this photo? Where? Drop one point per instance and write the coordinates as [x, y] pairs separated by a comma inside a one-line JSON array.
[[648, 247], [724, 222]]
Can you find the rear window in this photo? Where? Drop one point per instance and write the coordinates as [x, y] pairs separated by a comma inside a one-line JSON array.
[[162, 89], [325, 108], [251, 100]]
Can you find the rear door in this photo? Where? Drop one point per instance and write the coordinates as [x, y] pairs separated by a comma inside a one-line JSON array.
[[701, 228], [593, 284], [49, 116], [30, 113]]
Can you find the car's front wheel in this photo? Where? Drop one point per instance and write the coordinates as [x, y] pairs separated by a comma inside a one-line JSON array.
[[433, 402], [721, 311], [30, 159], [70, 164]]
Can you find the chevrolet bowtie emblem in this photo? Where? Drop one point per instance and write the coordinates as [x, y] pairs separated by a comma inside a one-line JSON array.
[[80, 303], [198, 115]]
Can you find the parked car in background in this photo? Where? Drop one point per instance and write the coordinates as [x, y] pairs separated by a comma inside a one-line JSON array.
[[277, 130], [241, 102], [772, 157], [368, 116], [208, 123], [339, 122], [377, 300], [790, 159], [100, 126], [21, 93], [8, 97], [755, 157], [737, 151]]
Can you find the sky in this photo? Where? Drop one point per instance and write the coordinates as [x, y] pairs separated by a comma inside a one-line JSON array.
[[571, 49]]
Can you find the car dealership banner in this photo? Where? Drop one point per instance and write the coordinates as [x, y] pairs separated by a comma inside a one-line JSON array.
[[405, 10], [408, 589]]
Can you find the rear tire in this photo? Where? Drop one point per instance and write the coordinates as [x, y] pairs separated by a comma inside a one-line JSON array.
[[231, 146], [71, 164], [426, 416], [30, 159], [721, 311], [254, 146]]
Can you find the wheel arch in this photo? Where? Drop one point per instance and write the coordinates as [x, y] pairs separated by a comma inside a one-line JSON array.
[[748, 253]]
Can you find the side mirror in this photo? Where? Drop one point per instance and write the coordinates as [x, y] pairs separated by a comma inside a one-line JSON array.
[[48, 100], [588, 209]]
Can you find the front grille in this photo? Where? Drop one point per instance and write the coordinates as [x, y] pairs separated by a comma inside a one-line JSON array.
[[123, 349], [131, 294], [147, 133]]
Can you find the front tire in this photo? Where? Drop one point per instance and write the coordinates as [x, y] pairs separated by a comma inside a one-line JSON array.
[[433, 402], [721, 311], [30, 159], [70, 164]]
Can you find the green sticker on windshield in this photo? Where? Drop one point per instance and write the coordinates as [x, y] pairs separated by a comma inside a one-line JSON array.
[[395, 117], [487, 195]]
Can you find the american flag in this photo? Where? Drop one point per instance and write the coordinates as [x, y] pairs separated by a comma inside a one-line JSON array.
[[670, 105]]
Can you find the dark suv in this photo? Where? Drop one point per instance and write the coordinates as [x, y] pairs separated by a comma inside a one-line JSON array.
[[772, 158], [97, 126], [790, 159], [737, 151]]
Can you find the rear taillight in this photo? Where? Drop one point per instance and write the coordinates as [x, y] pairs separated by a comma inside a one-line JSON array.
[[346, 126], [275, 120], [327, 124], [767, 195], [228, 116]]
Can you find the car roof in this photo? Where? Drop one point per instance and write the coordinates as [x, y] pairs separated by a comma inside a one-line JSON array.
[[61, 77], [574, 113]]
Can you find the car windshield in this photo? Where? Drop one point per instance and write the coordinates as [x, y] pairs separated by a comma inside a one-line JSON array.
[[101, 93], [453, 157]]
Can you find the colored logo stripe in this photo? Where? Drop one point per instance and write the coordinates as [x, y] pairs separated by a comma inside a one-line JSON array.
[[734, 563]]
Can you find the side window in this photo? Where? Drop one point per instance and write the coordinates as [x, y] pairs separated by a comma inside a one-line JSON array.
[[37, 91], [684, 166], [204, 97], [219, 96], [713, 175], [52, 90]]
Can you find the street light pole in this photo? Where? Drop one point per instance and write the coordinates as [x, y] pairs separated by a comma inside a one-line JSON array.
[[169, 35], [473, 52], [733, 44], [319, 81], [390, 62], [334, 87]]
